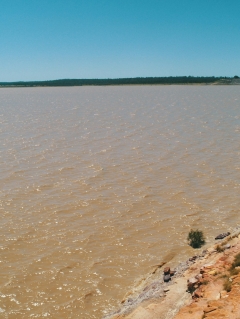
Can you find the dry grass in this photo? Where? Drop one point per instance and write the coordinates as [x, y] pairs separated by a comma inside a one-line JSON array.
[[227, 285], [236, 262], [234, 272], [219, 249]]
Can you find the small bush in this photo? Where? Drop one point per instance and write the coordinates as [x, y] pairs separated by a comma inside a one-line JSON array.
[[196, 238], [234, 272], [227, 285], [219, 249], [236, 262]]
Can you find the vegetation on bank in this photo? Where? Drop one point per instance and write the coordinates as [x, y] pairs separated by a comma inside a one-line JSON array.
[[123, 81], [233, 271], [196, 238]]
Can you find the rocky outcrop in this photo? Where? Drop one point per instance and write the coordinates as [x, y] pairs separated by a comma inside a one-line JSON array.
[[200, 289], [210, 299], [223, 235]]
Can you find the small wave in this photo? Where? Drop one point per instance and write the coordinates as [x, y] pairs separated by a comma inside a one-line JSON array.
[[65, 168]]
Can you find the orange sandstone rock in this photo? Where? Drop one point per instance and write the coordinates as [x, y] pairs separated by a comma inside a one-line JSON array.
[[208, 298]]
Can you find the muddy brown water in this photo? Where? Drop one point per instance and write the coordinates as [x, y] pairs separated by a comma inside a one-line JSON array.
[[98, 184]]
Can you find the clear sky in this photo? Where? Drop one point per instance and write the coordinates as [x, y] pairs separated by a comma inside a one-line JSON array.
[[53, 39]]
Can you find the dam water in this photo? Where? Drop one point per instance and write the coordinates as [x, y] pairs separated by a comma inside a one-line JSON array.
[[98, 184]]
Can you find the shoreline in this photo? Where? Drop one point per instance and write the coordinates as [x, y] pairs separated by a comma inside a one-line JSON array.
[[106, 85], [157, 298], [176, 80], [217, 83]]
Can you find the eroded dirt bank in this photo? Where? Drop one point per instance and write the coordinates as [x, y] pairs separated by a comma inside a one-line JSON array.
[[207, 286]]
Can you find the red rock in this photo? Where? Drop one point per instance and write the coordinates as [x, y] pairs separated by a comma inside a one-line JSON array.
[[197, 294], [202, 270], [192, 284], [166, 270]]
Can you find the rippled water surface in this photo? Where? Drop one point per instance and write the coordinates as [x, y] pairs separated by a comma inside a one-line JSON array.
[[100, 183]]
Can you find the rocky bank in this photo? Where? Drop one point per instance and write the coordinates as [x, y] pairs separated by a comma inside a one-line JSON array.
[[206, 286]]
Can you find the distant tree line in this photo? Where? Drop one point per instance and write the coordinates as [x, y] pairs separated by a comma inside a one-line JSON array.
[[121, 81]]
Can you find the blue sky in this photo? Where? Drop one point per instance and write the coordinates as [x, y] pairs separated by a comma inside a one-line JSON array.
[[52, 39]]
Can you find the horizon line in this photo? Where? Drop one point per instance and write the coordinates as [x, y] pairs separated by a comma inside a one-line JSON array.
[[124, 78]]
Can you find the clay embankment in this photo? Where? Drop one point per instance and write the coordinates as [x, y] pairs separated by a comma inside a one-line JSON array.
[[209, 288]]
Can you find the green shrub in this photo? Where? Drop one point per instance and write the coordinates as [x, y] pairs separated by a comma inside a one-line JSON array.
[[196, 238]]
